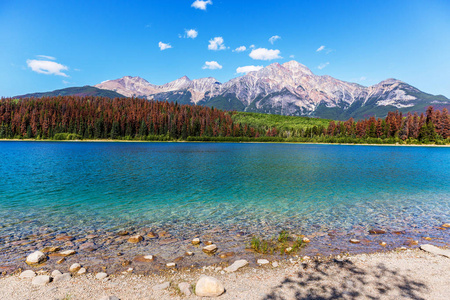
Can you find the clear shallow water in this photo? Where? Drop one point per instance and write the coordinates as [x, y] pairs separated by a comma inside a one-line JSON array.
[[264, 187]]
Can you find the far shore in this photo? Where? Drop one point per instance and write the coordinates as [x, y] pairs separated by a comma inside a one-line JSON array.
[[234, 142]]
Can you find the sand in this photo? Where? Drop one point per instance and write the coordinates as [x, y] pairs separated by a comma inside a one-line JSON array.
[[407, 274]]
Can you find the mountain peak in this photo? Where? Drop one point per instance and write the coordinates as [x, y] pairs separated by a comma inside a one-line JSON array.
[[296, 67]]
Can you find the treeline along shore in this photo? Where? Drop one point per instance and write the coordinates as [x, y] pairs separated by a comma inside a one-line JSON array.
[[98, 118]]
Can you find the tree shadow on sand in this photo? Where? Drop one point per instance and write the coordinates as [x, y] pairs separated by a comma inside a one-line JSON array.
[[338, 279]]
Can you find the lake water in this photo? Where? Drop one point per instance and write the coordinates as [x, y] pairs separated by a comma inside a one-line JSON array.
[[81, 186]]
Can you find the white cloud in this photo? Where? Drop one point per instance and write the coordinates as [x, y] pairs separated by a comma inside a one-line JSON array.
[[265, 54], [191, 33], [320, 48], [201, 4], [362, 78], [252, 46], [292, 56], [46, 57], [47, 67], [274, 38], [212, 65], [216, 44], [164, 46], [247, 69], [323, 65], [240, 49], [65, 82]]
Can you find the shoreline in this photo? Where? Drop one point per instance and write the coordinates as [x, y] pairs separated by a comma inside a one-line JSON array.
[[394, 274], [233, 142]]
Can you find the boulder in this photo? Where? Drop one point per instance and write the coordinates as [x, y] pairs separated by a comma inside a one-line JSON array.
[[236, 265], [36, 257], [195, 241], [209, 287], [56, 272], [28, 274], [41, 280], [82, 271]]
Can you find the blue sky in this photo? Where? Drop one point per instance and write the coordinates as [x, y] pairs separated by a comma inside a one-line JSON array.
[[48, 45]]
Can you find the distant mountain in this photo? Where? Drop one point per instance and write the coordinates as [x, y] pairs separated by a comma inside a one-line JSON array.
[[287, 89], [76, 91]]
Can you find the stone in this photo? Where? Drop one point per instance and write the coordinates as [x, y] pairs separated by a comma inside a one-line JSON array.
[[446, 225], [91, 236], [144, 258], [208, 286], [355, 241], [185, 288], [88, 246], [82, 271], [161, 286], [101, 275], [210, 249], [50, 249], [67, 252], [64, 238], [61, 261], [189, 253], [56, 272], [135, 239], [262, 261], [226, 254], [435, 250], [236, 265], [152, 235], [306, 240], [41, 280], [171, 265], [207, 243], [122, 233], [195, 241], [275, 264], [62, 277], [28, 274], [75, 267], [377, 231], [36, 257], [306, 258], [427, 238], [383, 244], [288, 250]]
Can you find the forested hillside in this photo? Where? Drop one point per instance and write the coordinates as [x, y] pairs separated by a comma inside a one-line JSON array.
[[77, 118]]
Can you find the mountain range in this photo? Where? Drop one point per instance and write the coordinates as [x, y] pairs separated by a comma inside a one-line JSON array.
[[287, 89]]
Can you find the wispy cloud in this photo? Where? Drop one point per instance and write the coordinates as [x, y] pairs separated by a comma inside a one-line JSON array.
[[191, 33], [45, 57], [252, 46], [47, 67], [323, 65], [164, 46], [212, 65], [265, 54], [240, 49], [246, 69], [216, 44], [321, 48], [292, 56], [274, 38], [201, 4]]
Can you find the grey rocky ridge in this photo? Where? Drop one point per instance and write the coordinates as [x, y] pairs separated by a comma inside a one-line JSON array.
[[288, 89]]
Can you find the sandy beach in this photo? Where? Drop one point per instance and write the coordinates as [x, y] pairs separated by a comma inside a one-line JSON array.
[[399, 274]]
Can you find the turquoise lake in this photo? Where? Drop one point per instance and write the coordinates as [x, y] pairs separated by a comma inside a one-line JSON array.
[[79, 186]]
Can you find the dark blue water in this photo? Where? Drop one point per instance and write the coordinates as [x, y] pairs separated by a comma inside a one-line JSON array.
[[81, 186]]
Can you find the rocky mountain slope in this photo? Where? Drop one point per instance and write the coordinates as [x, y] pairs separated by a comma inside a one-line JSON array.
[[76, 91], [288, 89]]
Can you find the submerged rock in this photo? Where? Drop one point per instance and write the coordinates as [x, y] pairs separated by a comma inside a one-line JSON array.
[[36, 257], [135, 239], [355, 241], [208, 286], [67, 252], [196, 241], [210, 249], [377, 231]]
